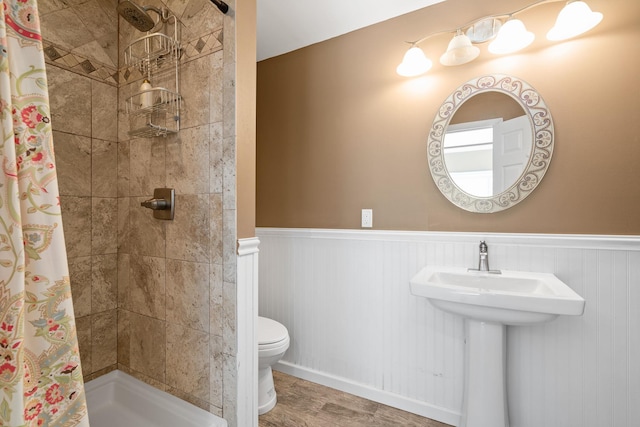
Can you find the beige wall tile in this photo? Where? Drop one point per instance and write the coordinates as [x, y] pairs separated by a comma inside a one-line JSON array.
[[147, 346], [123, 278], [64, 27], [228, 97], [215, 228], [80, 276], [188, 360], [123, 225], [83, 329], [104, 116], [76, 217], [216, 367], [201, 17], [104, 225], [202, 404], [216, 81], [187, 287], [124, 337], [146, 293], [229, 243], [95, 18], [216, 301], [229, 318], [104, 336], [104, 158], [47, 7], [73, 163], [109, 45], [188, 233], [123, 168], [195, 93], [70, 101], [147, 234], [148, 166], [123, 117], [215, 158], [229, 172], [188, 161], [104, 282], [177, 6], [229, 398]]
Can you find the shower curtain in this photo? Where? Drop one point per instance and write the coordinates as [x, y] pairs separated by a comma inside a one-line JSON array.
[[40, 374]]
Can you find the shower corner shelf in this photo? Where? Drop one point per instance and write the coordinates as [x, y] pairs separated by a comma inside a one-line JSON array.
[[151, 51], [160, 118], [155, 111]]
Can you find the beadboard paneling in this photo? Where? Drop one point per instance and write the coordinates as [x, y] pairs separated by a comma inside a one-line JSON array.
[[344, 297], [247, 360]]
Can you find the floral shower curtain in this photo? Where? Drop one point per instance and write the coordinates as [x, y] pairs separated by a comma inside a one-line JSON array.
[[40, 374]]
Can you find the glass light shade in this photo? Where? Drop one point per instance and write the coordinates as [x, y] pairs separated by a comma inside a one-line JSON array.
[[484, 30], [574, 19], [512, 37], [414, 63], [460, 51]]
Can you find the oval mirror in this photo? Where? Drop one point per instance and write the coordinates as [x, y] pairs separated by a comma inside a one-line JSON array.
[[490, 144]]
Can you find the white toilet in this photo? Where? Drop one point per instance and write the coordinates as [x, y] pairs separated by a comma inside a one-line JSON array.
[[273, 341]]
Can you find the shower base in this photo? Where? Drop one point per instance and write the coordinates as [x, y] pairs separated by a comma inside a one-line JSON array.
[[118, 399]]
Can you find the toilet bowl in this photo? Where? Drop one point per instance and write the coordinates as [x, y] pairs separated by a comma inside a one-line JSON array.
[[273, 341]]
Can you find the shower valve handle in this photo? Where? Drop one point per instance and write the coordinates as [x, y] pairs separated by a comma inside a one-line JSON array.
[[156, 204], [162, 204]]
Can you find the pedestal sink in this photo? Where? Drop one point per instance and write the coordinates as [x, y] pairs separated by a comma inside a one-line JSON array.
[[489, 302]]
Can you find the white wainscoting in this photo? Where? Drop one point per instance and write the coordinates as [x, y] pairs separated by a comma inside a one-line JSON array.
[[354, 325], [247, 312]]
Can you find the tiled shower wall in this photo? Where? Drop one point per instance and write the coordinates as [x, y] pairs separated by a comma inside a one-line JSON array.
[[83, 111], [153, 298]]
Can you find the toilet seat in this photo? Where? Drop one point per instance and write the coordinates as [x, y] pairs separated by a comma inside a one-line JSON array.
[[270, 332], [266, 351]]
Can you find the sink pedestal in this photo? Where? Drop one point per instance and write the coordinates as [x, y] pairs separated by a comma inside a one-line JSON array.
[[485, 398]]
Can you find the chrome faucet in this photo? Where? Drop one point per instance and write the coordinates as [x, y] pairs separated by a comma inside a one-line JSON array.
[[483, 261]]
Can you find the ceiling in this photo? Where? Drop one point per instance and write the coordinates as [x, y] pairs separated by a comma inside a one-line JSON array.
[[287, 25]]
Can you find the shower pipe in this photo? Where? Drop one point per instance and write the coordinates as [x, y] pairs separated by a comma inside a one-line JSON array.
[[221, 5]]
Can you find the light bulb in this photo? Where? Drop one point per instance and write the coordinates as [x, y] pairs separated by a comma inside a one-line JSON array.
[[512, 37], [574, 19], [414, 63]]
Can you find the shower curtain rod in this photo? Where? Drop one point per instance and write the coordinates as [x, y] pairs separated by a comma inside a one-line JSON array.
[[221, 5]]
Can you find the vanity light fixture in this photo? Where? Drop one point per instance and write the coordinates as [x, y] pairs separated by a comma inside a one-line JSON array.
[[509, 35]]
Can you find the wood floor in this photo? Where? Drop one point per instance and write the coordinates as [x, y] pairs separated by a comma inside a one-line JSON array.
[[305, 404]]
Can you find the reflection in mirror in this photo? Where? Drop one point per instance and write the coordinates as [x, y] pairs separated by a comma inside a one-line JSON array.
[[487, 144], [490, 143]]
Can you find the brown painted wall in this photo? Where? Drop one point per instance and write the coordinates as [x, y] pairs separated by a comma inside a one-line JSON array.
[[246, 117], [338, 130]]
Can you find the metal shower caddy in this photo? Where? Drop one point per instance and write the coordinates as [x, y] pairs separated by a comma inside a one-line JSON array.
[[157, 56]]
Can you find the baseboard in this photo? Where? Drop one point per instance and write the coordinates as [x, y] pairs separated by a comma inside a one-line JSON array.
[[406, 404]]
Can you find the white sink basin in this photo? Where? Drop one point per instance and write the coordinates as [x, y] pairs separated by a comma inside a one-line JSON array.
[[489, 302], [510, 298]]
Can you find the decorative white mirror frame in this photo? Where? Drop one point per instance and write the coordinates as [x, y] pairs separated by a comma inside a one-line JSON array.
[[542, 149]]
